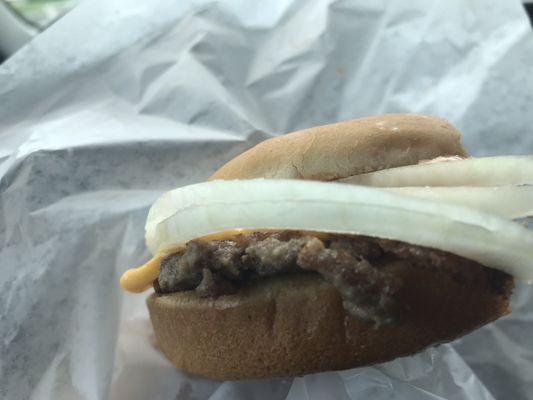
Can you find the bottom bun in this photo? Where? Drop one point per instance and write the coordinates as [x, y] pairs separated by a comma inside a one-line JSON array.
[[296, 324]]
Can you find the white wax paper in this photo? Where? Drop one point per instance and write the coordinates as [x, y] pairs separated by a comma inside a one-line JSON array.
[[120, 101]]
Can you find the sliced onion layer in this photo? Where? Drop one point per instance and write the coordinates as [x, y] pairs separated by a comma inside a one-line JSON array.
[[486, 171], [505, 201], [206, 208]]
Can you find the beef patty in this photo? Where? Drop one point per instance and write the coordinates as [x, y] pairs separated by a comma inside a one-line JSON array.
[[366, 271]]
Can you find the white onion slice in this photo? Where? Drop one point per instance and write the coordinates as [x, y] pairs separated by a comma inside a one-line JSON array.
[[206, 208], [505, 201], [485, 171]]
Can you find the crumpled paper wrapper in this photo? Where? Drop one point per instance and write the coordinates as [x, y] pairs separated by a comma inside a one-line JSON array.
[[120, 101]]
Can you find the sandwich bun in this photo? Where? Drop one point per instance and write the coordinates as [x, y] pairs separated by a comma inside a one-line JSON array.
[[347, 148]]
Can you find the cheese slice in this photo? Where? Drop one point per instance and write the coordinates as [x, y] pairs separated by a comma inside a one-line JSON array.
[[137, 280]]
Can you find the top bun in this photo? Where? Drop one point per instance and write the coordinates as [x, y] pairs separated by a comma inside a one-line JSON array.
[[347, 148]]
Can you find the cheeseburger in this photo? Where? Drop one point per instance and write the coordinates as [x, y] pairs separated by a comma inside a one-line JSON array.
[[335, 247]]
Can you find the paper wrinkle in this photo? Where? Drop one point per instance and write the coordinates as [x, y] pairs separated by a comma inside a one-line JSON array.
[[118, 102]]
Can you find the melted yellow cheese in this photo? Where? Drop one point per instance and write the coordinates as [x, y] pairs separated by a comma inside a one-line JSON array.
[[137, 280]]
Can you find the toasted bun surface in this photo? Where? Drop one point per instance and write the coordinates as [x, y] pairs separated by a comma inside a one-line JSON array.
[[292, 325], [296, 324], [347, 148]]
